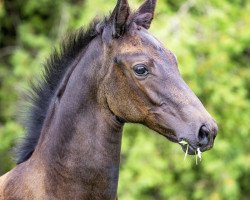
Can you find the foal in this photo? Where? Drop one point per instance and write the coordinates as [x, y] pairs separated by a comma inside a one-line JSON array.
[[113, 72]]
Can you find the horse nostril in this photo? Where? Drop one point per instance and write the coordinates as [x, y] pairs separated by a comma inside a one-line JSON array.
[[203, 135]]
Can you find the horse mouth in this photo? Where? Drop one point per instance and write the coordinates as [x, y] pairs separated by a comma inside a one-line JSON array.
[[191, 150], [188, 147]]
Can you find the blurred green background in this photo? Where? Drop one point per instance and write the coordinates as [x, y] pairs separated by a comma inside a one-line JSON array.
[[211, 39]]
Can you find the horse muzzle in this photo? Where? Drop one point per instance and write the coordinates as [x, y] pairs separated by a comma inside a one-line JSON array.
[[204, 139]]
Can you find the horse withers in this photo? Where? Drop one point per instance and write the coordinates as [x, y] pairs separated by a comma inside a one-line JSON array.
[[111, 73]]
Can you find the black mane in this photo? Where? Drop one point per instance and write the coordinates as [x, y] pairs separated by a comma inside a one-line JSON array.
[[42, 92], [55, 68]]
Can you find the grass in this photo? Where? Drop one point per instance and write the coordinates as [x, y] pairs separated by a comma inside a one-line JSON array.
[[198, 153]]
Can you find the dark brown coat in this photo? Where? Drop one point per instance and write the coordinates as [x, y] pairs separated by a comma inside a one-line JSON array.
[[122, 74]]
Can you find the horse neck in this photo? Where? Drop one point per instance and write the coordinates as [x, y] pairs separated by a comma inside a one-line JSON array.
[[80, 139]]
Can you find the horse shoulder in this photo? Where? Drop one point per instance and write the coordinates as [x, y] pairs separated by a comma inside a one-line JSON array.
[[22, 182], [3, 179]]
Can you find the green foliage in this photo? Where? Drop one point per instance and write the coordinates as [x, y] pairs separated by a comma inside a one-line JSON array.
[[212, 43]]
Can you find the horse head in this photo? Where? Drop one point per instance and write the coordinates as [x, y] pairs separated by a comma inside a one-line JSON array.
[[143, 83]]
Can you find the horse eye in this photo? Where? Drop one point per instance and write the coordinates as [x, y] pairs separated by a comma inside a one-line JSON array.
[[140, 70]]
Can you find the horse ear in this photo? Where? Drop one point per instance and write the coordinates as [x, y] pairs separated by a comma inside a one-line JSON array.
[[119, 18], [145, 14]]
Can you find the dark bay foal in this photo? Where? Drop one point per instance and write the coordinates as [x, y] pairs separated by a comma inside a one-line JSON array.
[[113, 72]]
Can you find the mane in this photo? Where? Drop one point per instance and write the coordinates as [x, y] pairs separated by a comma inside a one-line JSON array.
[[56, 66], [41, 93]]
